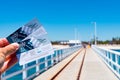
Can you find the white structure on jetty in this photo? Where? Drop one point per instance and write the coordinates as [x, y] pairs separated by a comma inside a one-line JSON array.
[[71, 42]]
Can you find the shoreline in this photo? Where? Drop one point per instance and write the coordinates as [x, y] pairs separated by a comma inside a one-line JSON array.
[[109, 46]]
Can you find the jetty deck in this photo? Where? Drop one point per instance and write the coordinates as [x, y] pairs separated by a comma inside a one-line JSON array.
[[84, 64]]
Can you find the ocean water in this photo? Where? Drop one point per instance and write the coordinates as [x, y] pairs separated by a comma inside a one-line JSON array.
[[118, 50]]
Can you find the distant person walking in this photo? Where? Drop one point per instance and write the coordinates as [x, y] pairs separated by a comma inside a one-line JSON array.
[[84, 45]]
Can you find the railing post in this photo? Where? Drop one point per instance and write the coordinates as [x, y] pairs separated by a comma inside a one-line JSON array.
[[24, 72], [37, 67], [67, 52], [60, 55], [56, 53], [64, 53], [52, 59], [116, 61], [111, 59], [46, 63]]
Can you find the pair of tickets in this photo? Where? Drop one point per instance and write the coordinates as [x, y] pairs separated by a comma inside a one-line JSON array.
[[33, 40]]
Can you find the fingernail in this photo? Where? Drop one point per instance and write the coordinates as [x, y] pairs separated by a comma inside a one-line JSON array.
[[16, 45], [4, 39]]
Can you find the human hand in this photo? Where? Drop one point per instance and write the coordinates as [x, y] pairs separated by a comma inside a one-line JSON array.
[[7, 54]]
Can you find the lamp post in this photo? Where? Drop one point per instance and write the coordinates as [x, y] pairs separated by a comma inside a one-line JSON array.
[[75, 36], [95, 33]]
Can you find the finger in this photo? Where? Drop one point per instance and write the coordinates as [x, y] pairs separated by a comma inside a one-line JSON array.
[[3, 42], [10, 56], [2, 59], [7, 50]]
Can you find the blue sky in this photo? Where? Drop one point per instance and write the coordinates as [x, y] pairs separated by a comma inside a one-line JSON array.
[[61, 17]]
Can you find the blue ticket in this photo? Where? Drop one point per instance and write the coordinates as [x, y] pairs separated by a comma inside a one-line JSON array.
[[24, 31]]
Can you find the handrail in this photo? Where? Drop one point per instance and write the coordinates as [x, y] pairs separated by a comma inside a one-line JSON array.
[[56, 57], [111, 59]]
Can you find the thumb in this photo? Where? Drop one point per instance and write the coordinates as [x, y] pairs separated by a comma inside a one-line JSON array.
[[9, 49]]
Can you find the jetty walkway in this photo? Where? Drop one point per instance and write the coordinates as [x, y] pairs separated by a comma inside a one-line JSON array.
[[85, 64]]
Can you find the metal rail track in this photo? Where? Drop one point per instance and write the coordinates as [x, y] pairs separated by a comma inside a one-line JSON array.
[[80, 70], [60, 71]]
